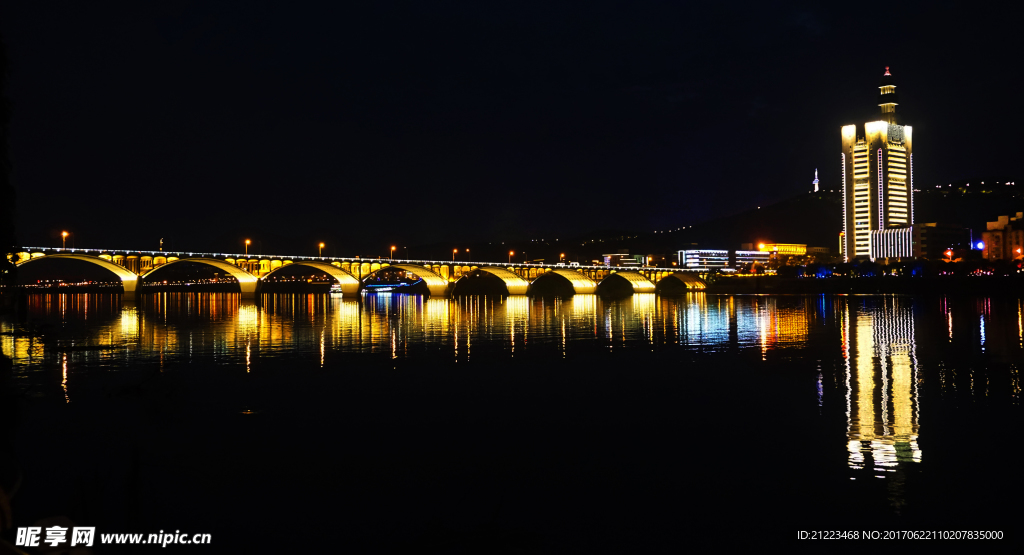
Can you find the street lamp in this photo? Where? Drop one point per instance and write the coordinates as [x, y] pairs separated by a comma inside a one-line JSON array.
[[321, 250], [510, 253], [63, 240], [561, 257], [453, 254], [247, 242], [949, 253]]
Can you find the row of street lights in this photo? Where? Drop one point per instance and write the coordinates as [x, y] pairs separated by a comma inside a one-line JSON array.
[[320, 253]]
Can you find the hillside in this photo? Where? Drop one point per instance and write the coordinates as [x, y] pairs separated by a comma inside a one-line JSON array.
[[814, 219]]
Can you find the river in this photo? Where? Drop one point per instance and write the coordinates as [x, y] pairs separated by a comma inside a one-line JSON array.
[[478, 424]]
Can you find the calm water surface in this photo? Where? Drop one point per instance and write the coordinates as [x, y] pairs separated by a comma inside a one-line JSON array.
[[870, 381]]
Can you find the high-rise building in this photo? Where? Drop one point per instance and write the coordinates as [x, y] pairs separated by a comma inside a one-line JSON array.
[[815, 183], [878, 175]]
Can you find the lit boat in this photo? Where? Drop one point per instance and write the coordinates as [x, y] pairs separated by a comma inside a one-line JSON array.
[[336, 289], [386, 287]]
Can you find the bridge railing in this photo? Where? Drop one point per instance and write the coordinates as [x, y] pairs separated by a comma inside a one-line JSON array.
[[328, 259]]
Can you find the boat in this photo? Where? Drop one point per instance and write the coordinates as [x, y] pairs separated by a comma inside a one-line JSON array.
[[336, 289], [387, 287]]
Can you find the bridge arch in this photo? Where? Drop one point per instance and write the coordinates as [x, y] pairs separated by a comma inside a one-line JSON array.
[[581, 284], [129, 281], [247, 282], [436, 284], [625, 282], [686, 280], [349, 284], [514, 284]]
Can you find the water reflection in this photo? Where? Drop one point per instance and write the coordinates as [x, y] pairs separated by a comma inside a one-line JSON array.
[[883, 405], [860, 351]]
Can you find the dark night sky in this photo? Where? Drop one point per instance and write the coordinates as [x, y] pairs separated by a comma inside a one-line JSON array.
[[411, 123]]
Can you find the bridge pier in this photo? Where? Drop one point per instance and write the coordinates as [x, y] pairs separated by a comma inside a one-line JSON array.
[[130, 290], [248, 288]]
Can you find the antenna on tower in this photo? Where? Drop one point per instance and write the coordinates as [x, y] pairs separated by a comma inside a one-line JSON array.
[[815, 180]]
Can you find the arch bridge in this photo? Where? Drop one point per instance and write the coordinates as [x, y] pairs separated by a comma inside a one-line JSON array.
[[132, 268]]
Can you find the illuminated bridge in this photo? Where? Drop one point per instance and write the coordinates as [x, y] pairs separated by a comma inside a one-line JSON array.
[[440, 277]]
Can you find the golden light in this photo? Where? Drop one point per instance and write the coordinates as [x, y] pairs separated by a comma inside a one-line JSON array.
[[63, 233], [760, 246], [248, 242], [63, 239], [321, 245]]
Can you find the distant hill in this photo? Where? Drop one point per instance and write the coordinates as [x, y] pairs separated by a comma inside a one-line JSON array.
[[814, 219], [970, 203]]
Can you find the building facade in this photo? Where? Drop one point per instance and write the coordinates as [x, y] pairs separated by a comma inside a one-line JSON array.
[[704, 259], [709, 259], [1004, 238], [744, 260], [878, 175]]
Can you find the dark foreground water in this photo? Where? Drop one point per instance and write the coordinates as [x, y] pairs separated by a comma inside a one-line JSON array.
[[518, 425]]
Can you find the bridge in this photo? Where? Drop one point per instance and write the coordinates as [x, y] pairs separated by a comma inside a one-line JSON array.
[[441, 277]]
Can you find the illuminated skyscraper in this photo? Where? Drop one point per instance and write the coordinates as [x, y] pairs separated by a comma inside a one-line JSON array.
[[815, 180], [878, 175]]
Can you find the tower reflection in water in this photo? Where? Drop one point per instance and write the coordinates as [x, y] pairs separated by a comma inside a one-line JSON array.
[[882, 401]]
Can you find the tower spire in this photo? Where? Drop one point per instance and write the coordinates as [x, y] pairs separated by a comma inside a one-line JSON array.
[[887, 98], [815, 180]]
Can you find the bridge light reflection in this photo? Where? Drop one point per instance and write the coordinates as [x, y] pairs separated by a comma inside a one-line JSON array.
[[129, 324]]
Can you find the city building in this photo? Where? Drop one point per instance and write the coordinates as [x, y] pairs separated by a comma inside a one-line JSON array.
[[659, 260], [1004, 238], [932, 240], [815, 182], [704, 259], [623, 258], [783, 248], [711, 259], [878, 175], [745, 259], [893, 242], [924, 240]]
